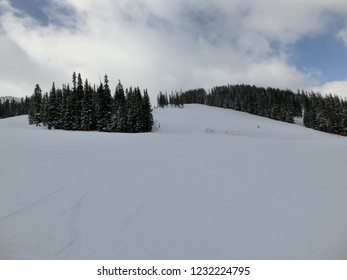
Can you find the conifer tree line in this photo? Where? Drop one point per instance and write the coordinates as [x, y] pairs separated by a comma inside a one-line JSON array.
[[324, 113], [272, 103], [85, 107], [11, 107]]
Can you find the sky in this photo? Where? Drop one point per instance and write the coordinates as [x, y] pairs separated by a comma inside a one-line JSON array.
[[173, 45]]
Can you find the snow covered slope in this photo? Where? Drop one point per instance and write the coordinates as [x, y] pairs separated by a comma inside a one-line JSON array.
[[209, 184]]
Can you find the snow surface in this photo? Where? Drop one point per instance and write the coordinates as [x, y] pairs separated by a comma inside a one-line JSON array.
[[209, 184]]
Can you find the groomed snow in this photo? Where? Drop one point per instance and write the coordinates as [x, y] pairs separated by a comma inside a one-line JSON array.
[[209, 184]]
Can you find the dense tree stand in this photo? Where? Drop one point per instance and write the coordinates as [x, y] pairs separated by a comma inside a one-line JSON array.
[[86, 107]]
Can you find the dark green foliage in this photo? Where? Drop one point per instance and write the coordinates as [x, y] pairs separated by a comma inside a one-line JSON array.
[[78, 103], [131, 117], [11, 107], [147, 112], [138, 110], [36, 106], [69, 109], [191, 96], [44, 109], [325, 113], [52, 109], [162, 100], [87, 108], [175, 99], [104, 109], [59, 110], [31, 113], [119, 119]]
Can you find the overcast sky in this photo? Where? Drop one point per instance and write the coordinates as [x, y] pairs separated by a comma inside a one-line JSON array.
[[168, 45]]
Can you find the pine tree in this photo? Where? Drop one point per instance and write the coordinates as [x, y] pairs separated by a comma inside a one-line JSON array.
[[52, 110], [162, 100], [1, 111], [69, 109], [36, 106], [87, 108], [95, 108], [79, 94], [31, 113], [44, 109], [119, 121], [59, 123], [322, 120], [339, 116], [147, 111], [131, 110], [139, 112], [104, 106], [73, 101]]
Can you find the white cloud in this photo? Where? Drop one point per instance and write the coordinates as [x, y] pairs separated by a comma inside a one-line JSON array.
[[19, 72], [164, 45], [335, 88], [287, 21], [342, 35]]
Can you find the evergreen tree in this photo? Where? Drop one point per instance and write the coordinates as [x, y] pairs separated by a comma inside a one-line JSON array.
[[31, 113], [140, 121], [87, 108], [338, 113], [69, 109], [147, 111], [119, 121], [44, 109], [131, 110], [1, 110], [14, 108], [36, 106], [59, 122], [162, 100], [26, 105], [95, 108], [73, 100], [10, 107], [7, 109], [52, 110], [307, 108], [104, 106], [78, 102]]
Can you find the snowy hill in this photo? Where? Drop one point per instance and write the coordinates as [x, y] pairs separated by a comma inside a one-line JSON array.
[[209, 184]]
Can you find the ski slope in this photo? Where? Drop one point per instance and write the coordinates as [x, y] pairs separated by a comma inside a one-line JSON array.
[[208, 184]]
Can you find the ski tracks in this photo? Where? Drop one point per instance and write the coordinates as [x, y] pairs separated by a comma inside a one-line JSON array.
[[124, 228], [123, 239], [48, 227]]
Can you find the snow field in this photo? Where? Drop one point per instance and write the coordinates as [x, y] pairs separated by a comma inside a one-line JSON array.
[[178, 193]]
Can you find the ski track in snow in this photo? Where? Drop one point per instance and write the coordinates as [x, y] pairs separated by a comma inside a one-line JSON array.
[[237, 192]]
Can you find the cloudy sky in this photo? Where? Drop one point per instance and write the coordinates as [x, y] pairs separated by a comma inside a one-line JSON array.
[[168, 45]]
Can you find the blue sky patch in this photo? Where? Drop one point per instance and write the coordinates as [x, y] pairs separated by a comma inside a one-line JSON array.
[[32, 8], [326, 54], [46, 12]]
